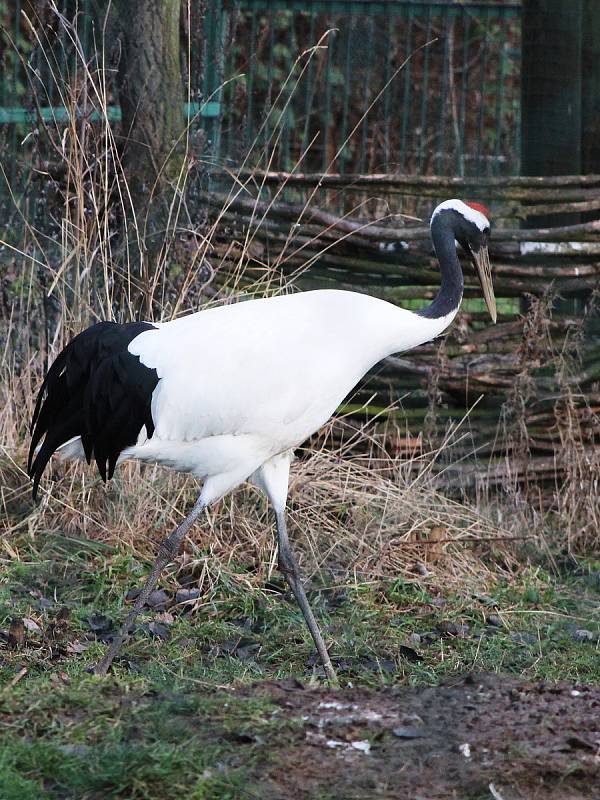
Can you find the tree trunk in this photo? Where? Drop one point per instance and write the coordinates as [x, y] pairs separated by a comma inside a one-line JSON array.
[[151, 98]]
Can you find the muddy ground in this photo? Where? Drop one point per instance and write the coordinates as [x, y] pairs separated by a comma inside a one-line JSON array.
[[479, 736]]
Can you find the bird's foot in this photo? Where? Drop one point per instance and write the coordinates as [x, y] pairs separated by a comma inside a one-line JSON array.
[[101, 668]]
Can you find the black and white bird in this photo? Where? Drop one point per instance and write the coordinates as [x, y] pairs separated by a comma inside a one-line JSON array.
[[226, 394]]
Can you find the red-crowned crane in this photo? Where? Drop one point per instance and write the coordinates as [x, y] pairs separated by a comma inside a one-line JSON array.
[[228, 393]]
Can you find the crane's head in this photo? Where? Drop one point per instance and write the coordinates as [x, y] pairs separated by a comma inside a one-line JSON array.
[[471, 228]]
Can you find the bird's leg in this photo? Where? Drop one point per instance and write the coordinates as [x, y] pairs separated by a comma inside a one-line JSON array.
[[289, 566], [167, 551]]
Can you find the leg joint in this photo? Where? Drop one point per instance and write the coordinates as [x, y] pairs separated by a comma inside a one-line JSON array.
[[287, 563]]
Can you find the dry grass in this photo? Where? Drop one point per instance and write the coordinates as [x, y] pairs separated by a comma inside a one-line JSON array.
[[354, 517]]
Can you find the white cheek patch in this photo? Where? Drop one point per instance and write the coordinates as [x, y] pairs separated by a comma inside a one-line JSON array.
[[470, 214]]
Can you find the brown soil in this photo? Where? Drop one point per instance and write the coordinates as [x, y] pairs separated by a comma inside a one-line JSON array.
[[478, 737]]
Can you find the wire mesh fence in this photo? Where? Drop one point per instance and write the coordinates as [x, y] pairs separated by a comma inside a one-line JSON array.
[[413, 87], [402, 86]]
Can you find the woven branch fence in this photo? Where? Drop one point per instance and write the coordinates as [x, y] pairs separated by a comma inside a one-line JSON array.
[[526, 385]]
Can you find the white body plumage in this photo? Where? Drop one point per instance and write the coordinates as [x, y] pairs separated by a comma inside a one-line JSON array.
[[243, 383], [226, 391]]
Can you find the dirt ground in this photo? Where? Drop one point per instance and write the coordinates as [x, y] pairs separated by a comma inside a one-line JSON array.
[[480, 736]]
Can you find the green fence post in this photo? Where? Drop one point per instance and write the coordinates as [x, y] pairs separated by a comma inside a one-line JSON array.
[[212, 84]]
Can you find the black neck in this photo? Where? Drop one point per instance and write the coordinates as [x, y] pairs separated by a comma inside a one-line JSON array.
[[450, 294]]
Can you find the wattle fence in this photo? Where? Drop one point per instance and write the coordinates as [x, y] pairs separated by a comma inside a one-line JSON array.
[[513, 393]]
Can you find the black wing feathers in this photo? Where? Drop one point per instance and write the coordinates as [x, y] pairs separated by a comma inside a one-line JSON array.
[[95, 389]]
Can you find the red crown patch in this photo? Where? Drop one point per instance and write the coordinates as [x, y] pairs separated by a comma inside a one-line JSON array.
[[479, 207]]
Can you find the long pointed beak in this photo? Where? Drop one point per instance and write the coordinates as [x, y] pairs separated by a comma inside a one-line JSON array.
[[481, 261]]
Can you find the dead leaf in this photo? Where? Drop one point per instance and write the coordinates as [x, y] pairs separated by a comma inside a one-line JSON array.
[[157, 599], [409, 654], [31, 625], [158, 630], [98, 623], [59, 679], [77, 647], [16, 633]]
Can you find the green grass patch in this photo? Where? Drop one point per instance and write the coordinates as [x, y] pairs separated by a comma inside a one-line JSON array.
[[173, 719]]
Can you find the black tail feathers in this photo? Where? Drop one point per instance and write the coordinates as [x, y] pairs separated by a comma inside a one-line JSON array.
[[95, 389]]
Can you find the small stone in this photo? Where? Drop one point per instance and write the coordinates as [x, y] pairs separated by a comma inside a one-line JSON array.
[[454, 629], [74, 749], [494, 619], [157, 599], [420, 568], [159, 630], [98, 623], [186, 595], [583, 635], [409, 732]]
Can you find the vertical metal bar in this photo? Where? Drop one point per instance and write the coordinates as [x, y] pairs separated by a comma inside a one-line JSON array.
[[367, 94], [484, 58], [250, 126], [443, 92], [269, 98], [424, 93], [462, 128], [15, 98], [406, 104], [518, 111], [229, 113], [500, 105], [327, 116], [289, 113], [211, 84], [310, 82], [88, 26], [347, 88], [62, 61], [223, 22], [388, 90]]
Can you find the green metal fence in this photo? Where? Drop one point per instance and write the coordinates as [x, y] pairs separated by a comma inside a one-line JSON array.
[[452, 109]]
